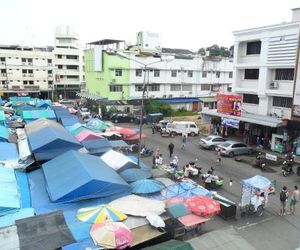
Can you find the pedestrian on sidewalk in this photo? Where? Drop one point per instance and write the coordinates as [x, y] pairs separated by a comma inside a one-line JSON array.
[[294, 199], [284, 196], [171, 149], [183, 145]]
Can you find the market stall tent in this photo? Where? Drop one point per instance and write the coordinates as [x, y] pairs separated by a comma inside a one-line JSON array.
[[68, 120], [97, 147], [82, 177], [48, 139], [31, 115], [86, 135], [3, 134]]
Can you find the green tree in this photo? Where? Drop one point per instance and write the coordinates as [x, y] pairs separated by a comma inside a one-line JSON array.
[[154, 106]]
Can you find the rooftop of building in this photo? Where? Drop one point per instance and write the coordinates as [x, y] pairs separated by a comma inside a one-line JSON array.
[[26, 48], [106, 42]]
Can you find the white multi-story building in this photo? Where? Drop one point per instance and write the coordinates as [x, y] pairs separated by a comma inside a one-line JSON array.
[[68, 60], [186, 75], [264, 62], [26, 70]]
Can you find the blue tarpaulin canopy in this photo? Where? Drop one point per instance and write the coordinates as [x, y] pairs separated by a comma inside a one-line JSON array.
[[118, 144], [257, 181], [135, 174], [96, 124], [3, 134], [97, 146], [9, 195], [68, 120], [61, 112], [48, 139], [82, 177], [8, 151]]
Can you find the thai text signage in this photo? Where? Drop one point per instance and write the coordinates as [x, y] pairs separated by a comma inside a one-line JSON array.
[[229, 104]]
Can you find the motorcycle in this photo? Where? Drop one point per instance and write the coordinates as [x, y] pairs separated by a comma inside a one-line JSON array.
[[287, 168], [145, 152], [259, 162]]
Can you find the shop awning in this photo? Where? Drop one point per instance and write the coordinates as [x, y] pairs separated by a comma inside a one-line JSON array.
[[268, 121], [179, 100]]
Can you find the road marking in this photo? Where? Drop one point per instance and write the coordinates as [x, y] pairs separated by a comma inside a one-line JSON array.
[[255, 223]]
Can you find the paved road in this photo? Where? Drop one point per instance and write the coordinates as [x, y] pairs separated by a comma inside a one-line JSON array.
[[268, 232]]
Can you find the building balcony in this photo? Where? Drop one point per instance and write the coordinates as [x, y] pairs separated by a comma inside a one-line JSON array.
[[249, 59]]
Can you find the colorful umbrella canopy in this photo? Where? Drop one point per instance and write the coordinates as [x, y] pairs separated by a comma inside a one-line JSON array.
[[98, 214], [146, 186], [135, 137], [123, 131], [202, 205], [111, 235]]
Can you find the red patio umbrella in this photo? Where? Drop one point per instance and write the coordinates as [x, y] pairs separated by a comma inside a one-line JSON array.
[[123, 131], [202, 205]]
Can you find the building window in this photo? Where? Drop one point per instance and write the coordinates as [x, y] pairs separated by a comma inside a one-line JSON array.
[[49, 72], [284, 74], [229, 89], [247, 98], [156, 73], [284, 102], [217, 74], [30, 71], [30, 82], [115, 88], [138, 72], [59, 66], [50, 82], [205, 86], [175, 87], [59, 56], [73, 77], [187, 87], [253, 48], [190, 73], [154, 87], [29, 60], [204, 74], [251, 74], [2, 59], [73, 57], [49, 60], [173, 73], [25, 82], [230, 74], [139, 88], [23, 60], [74, 67], [118, 72]]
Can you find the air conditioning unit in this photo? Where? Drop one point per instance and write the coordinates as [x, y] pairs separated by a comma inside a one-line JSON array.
[[273, 85]]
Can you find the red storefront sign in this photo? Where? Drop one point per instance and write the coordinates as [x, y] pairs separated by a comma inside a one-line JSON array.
[[229, 104]]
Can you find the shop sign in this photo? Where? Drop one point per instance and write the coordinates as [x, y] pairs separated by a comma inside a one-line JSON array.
[[271, 157], [229, 104], [230, 122]]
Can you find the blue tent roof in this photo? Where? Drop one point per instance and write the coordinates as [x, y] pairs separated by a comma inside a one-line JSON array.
[[3, 134], [118, 144], [135, 174], [61, 112], [9, 195], [97, 146], [82, 176], [74, 127], [48, 139], [68, 120], [257, 181], [96, 125], [8, 151]]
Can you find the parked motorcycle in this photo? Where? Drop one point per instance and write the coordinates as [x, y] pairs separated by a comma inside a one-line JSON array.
[[145, 152], [287, 168], [259, 162]]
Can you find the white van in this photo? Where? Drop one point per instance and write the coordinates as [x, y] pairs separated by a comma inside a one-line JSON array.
[[189, 128]]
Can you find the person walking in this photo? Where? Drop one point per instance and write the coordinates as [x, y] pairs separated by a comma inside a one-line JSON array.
[[183, 145], [284, 196], [153, 128], [171, 149], [294, 199], [219, 157]]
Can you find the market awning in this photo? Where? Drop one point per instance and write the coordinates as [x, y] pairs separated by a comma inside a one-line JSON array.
[[268, 121], [179, 100]]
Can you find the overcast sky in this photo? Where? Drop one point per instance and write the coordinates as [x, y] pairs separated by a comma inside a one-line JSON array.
[[189, 24]]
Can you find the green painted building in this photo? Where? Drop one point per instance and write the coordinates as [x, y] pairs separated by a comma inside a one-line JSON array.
[[106, 74]]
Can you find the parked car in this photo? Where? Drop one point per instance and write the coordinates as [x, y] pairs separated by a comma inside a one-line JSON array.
[[84, 112], [182, 127], [210, 142], [121, 117], [66, 101], [232, 148]]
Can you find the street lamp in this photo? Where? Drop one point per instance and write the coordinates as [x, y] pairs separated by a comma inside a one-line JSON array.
[[145, 83]]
